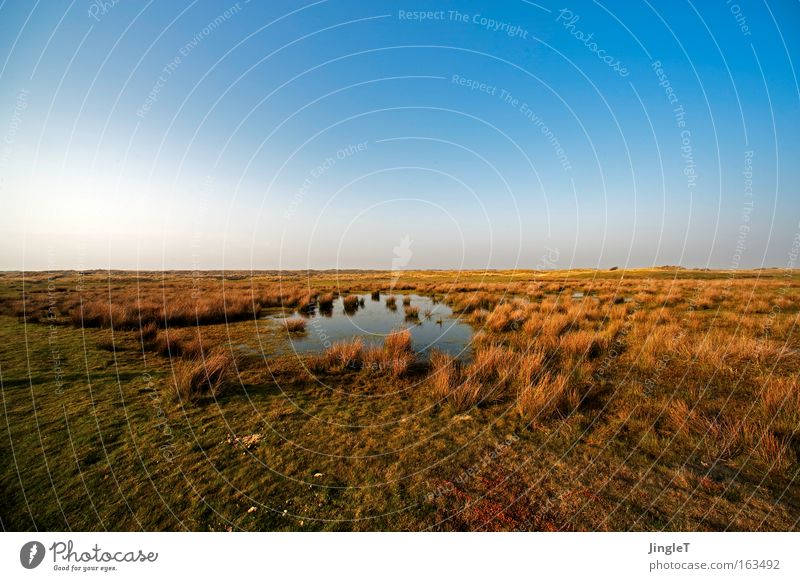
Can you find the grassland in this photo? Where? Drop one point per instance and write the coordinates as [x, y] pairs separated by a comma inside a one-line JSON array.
[[594, 400]]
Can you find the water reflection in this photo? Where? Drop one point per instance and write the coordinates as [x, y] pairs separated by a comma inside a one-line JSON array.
[[374, 316]]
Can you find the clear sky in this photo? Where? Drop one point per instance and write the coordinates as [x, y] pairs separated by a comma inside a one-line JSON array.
[[287, 134]]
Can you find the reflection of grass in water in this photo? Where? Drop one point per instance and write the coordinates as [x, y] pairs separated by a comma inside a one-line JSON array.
[[325, 302], [691, 377], [411, 312], [351, 303]]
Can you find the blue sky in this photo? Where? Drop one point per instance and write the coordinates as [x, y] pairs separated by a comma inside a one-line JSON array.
[[317, 135]]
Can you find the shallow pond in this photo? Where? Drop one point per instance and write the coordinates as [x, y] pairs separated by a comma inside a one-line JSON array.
[[372, 320]]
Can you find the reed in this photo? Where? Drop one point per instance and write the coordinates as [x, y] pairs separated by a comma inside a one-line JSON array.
[[411, 312], [295, 325], [351, 303], [197, 378]]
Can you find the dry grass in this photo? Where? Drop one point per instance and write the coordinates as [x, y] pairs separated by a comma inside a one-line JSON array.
[[178, 311], [351, 303], [781, 399], [506, 317], [197, 378], [184, 343], [380, 361], [699, 375], [475, 301], [344, 355], [325, 302], [412, 313], [131, 310], [551, 394], [465, 387], [444, 374], [394, 357], [552, 325], [398, 341], [295, 325], [307, 303], [584, 344], [528, 367], [490, 364], [149, 331], [726, 438], [467, 394]]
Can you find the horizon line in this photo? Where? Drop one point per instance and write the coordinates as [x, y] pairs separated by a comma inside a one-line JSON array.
[[389, 270]]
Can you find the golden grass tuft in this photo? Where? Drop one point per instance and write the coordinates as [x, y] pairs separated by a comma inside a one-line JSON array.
[[325, 302], [528, 367], [398, 341], [345, 354], [394, 357], [556, 324], [412, 312], [584, 344], [149, 331], [491, 362], [506, 317], [351, 303], [184, 343], [475, 301], [551, 394], [466, 387], [197, 378], [467, 394], [295, 325]]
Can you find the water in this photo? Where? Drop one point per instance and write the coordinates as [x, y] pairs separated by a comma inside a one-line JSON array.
[[436, 328]]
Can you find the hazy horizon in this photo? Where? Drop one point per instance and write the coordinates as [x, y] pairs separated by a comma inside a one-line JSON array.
[[346, 269]]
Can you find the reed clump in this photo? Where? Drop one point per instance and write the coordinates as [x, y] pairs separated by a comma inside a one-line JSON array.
[[295, 325], [202, 377]]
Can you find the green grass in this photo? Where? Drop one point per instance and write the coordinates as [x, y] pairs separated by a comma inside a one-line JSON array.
[[94, 438]]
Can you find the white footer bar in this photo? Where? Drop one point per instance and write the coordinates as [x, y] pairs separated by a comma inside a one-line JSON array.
[[349, 556]]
